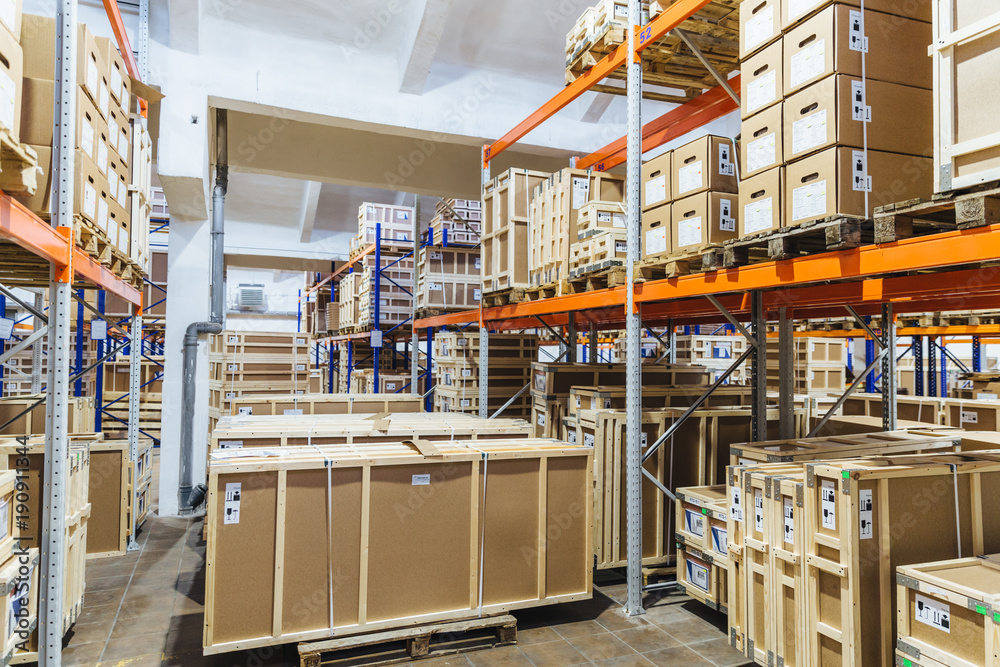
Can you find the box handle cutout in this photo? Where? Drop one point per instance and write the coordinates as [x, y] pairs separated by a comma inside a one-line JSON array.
[[760, 131], [807, 40], [810, 177], [762, 69], [811, 107], [759, 193]]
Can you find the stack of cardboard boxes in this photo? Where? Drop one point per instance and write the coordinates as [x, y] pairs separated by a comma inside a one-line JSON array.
[[103, 130], [819, 80], [689, 198], [395, 223]]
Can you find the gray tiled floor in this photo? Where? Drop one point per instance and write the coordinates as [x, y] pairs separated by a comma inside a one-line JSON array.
[[146, 609]]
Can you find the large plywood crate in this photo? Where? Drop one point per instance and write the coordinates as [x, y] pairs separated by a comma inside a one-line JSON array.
[[443, 512], [116, 485], [506, 237], [325, 404]]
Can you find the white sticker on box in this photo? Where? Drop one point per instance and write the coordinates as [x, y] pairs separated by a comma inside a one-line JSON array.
[[571, 437], [122, 195], [758, 215], [232, 503], [435, 287], [933, 613], [300, 367], [727, 223], [102, 214], [720, 539], [697, 575], [87, 140], [8, 96], [621, 247], [230, 395], [866, 512], [588, 439], [758, 29], [4, 518], [656, 241], [102, 156], [689, 232], [656, 190], [808, 63], [541, 419], [643, 437], [292, 412], [983, 396], [246, 411], [390, 386], [694, 523], [809, 132], [604, 216], [581, 192], [690, 177], [479, 263], [789, 512], [856, 31], [402, 215], [300, 341], [860, 180], [93, 75], [465, 402], [8, 14], [436, 255], [758, 509], [466, 372], [762, 91], [809, 201], [970, 417], [113, 187], [117, 83], [618, 220], [477, 294], [797, 8], [828, 504], [234, 339], [421, 480], [860, 111], [104, 99], [90, 201], [762, 153], [736, 506], [726, 165]]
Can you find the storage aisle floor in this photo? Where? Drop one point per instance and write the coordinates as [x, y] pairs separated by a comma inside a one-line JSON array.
[[145, 609]]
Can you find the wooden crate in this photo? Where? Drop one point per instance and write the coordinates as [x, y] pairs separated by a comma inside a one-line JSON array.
[[972, 415], [812, 380], [554, 379], [810, 352], [19, 611], [232, 344], [449, 279], [113, 488], [849, 446], [246, 432], [598, 252], [598, 216], [855, 424], [702, 577], [698, 349], [325, 404], [505, 240], [80, 416], [274, 537], [916, 408], [656, 397], [966, 49], [458, 400], [947, 612], [464, 346], [505, 376]]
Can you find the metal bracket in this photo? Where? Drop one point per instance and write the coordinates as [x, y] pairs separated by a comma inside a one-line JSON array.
[[767, 487], [845, 483], [732, 320], [980, 607], [908, 649], [908, 582], [770, 659], [945, 177], [749, 647], [799, 493], [810, 476], [732, 637]]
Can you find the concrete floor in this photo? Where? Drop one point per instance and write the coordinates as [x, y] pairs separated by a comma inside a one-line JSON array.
[[146, 609]]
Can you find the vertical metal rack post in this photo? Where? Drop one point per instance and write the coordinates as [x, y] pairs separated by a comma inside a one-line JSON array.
[[414, 334], [135, 366]]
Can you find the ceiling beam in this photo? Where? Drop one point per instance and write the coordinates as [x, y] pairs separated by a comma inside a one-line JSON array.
[[310, 203], [421, 44]]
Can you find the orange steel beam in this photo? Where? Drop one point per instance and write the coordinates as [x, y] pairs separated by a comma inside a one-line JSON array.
[[956, 330], [118, 27], [97, 274], [367, 251], [464, 317], [645, 36], [691, 115], [19, 225]]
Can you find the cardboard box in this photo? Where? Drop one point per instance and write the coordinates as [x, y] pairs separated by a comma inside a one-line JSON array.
[[37, 116], [822, 184], [657, 238], [830, 42], [761, 80], [118, 131], [832, 112], [118, 78], [761, 198], [10, 16], [38, 39], [703, 219], [760, 24], [11, 67], [762, 142], [796, 11], [86, 188], [103, 149], [704, 164], [656, 182], [118, 180]]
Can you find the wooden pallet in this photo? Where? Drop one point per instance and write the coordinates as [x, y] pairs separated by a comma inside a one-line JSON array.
[[19, 164], [609, 273], [916, 217], [833, 233], [504, 297], [714, 30], [709, 258], [457, 637], [547, 291]]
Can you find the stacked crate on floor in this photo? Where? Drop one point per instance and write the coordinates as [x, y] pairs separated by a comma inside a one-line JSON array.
[[506, 240], [717, 353], [448, 279], [702, 534], [820, 365], [114, 421], [396, 223], [457, 221], [119, 488], [247, 363], [26, 416], [456, 374], [27, 459], [361, 356], [554, 213], [821, 122]]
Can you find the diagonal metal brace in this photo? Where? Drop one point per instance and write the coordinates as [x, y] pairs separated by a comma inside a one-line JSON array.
[[659, 485], [732, 320], [945, 352], [708, 65], [840, 401], [28, 307], [554, 333], [111, 323], [864, 325], [512, 399], [665, 344], [697, 404], [24, 344]]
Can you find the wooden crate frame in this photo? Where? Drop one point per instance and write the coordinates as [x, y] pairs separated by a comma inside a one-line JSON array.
[[800, 450], [271, 487], [982, 415], [506, 235], [111, 513], [917, 408], [317, 404]]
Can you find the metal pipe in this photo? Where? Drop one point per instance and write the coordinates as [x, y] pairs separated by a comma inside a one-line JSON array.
[[189, 496]]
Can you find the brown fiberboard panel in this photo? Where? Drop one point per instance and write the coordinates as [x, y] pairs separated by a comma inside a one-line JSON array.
[[104, 526], [510, 546]]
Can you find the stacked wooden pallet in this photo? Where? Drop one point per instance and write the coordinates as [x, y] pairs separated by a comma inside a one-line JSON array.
[[820, 365], [487, 555], [457, 221], [448, 279], [456, 372], [248, 363], [396, 223], [119, 488], [716, 353], [506, 239], [28, 461]]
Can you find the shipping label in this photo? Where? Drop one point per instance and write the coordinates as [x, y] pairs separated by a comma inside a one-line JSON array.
[[828, 505], [697, 575], [231, 506], [759, 29], [762, 91], [762, 153], [933, 613], [865, 514], [656, 190], [758, 215], [809, 201], [689, 232], [690, 177], [808, 63], [809, 132]]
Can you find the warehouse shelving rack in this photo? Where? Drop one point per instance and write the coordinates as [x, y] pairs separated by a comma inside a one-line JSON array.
[[877, 280]]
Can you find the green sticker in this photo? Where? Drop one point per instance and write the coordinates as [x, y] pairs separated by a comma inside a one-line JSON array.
[[846, 474], [704, 510], [907, 662], [996, 617], [982, 609]]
